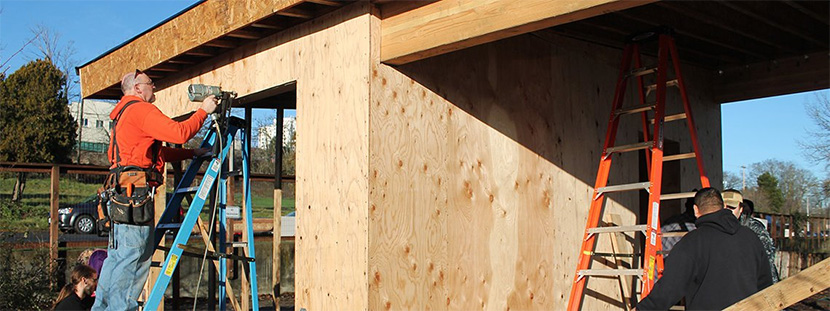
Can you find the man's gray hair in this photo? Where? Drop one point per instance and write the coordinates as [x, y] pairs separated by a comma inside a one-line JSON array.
[[128, 82]]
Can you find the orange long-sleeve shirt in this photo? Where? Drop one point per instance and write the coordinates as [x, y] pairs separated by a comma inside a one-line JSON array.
[[141, 124]]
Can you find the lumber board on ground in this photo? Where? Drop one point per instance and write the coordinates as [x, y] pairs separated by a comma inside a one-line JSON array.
[[789, 291]]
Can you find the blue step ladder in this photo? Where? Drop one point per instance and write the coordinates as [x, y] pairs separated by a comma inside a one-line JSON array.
[[216, 169]]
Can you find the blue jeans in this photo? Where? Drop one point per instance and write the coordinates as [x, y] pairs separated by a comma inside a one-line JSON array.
[[125, 269]]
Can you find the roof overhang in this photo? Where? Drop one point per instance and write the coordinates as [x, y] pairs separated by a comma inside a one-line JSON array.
[[195, 35]]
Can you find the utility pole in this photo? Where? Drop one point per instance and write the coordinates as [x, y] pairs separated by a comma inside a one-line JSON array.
[[743, 178]]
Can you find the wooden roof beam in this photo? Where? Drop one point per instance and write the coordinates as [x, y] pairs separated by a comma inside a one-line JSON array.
[[244, 34], [325, 2], [447, 26], [223, 43], [153, 48], [787, 27], [297, 13], [811, 13]]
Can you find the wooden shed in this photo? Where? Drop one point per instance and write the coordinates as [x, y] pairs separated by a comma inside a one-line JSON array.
[[448, 149]]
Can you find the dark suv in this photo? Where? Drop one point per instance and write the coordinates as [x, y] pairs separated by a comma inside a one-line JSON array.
[[79, 217]]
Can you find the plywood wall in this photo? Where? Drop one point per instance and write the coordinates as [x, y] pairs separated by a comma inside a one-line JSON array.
[[329, 59], [482, 163]]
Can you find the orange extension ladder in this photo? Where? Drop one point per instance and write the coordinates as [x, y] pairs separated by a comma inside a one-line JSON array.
[[652, 264]]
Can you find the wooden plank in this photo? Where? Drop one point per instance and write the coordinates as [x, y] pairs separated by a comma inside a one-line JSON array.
[[213, 19], [54, 193], [275, 248], [447, 26], [788, 291]]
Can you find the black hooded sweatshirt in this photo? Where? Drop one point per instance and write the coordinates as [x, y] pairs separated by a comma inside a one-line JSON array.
[[714, 266]]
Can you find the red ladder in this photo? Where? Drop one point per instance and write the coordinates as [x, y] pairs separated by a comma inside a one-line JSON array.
[[652, 257]]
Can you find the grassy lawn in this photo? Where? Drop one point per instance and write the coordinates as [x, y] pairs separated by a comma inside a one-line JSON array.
[[32, 213]]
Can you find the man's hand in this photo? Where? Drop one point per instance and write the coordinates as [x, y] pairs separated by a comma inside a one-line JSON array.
[[201, 151], [209, 104]]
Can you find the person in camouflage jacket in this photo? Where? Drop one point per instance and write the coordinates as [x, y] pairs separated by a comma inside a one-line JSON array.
[[756, 226], [734, 201]]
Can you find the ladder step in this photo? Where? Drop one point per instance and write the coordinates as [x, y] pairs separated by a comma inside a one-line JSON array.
[[675, 196], [674, 234], [674, 117], [235, 173], [610, 272], [635, 255], [627, 148], [614, 229], [653, 87], [641, 71], [238, 244], [635, 109], [188, 189], [625, 187], [680, 156], [169, 226]]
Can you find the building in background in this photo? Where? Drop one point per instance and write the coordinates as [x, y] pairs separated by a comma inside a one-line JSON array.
[[268, 132], [94, 124]]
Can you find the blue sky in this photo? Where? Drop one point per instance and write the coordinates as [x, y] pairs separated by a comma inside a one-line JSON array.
[[753, 131]]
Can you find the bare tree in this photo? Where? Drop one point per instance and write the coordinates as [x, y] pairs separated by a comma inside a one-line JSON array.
[[731, 180], [817, 147], [49, 46]]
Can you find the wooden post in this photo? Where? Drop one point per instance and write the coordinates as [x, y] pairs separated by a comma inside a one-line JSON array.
[[788, 291], [277, 236], [158, 255], [54, 192]]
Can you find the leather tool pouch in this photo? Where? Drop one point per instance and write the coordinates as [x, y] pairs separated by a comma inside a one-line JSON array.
[[130, 197]]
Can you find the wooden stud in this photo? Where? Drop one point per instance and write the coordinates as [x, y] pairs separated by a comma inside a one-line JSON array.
[[54, 193]]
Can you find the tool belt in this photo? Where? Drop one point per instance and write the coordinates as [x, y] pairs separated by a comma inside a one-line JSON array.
[[128, 194]]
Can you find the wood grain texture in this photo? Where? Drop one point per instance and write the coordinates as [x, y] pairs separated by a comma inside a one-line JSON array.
[[329, 59], [205, 22], [451, 25], [789, 291], [481, 166]]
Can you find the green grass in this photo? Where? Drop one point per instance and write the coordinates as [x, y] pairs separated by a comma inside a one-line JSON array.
[[32, 213]]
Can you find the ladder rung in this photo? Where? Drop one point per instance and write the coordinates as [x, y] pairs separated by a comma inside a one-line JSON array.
[[681, 156], [238, 244], [674, 196], [610, 272], [613, 229], [674, 117], [635, 109], [617, 254], [641, 71], [627, 148], [188, 189], [235, 173], [169, 226], [674, 234], [653, 87], [626, 187]]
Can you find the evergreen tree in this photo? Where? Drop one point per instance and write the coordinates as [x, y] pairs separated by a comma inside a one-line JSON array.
[[35, 117], [768, 185]]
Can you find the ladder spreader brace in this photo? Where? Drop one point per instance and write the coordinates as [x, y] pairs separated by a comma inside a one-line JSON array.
[[215, 170], [652, 264]]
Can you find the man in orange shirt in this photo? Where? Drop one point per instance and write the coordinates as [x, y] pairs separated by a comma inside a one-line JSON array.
[[140, 127]]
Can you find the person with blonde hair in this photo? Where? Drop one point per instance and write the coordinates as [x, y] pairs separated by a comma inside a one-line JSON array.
[[77, 294]]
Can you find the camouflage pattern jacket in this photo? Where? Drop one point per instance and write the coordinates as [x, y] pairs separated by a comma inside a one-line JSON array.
[[769, 247]]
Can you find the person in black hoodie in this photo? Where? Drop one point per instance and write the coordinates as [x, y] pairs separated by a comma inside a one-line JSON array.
[[714, 266]]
